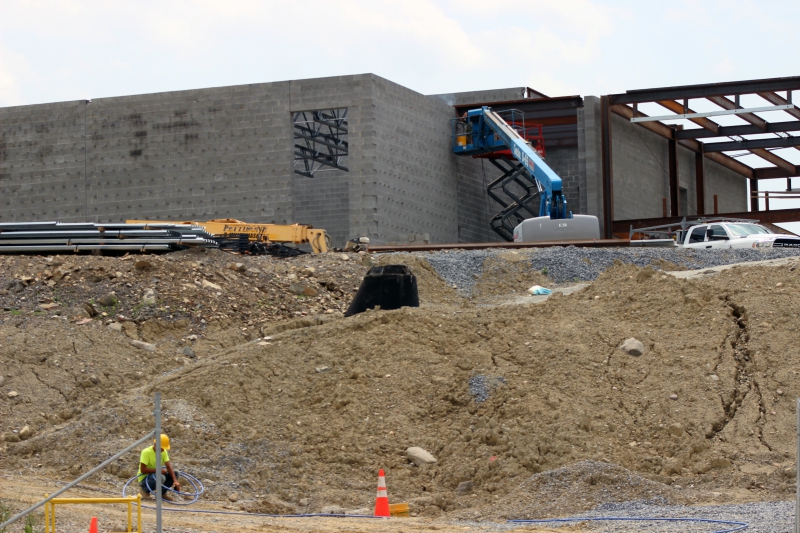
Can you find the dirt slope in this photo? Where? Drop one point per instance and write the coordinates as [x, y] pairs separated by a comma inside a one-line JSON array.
[[303, 420]]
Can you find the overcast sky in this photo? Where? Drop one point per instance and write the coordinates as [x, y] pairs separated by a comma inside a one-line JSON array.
[[55, 50], [72, 49]]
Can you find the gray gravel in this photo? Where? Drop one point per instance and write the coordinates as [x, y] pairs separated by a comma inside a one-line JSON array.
[[481, 387], [763, 517], [571, 264], [585, 264], [459, 268]]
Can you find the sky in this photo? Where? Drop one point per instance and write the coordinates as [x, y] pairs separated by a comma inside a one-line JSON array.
[[56, 50]]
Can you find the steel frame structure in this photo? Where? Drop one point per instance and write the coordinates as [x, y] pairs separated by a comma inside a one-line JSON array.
[[726, 96], [320, 143]]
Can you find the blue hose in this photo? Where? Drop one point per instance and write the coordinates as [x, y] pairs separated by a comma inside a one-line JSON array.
[[739, 526]]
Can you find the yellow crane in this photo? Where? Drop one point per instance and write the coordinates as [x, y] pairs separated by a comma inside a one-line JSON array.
[[229, 229]]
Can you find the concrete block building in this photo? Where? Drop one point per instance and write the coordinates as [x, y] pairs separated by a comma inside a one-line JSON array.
[[357, 155]]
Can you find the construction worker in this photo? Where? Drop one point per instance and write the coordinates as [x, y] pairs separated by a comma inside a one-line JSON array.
[[147, 471]]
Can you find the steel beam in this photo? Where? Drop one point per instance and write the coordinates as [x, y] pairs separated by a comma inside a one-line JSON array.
[[778, 100], [738, 131], [323, 161], [674, 183], [777, 216], [319, 139], [676, 107], [751, 144], [728, 105], [776, 172], [753, 199], [699, 182], [595, 243], [774, 159], [737, 111], [706, 90], [775, 99]]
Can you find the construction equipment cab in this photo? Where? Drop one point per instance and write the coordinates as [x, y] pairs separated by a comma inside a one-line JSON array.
[[485, 133]]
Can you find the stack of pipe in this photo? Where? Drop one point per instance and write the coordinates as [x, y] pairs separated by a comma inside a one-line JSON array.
[[59, 237]]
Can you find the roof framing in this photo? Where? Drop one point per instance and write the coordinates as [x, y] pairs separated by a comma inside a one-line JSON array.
[[727, 97], [759, 136]]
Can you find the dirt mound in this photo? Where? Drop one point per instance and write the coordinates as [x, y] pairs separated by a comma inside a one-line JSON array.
[[508, 273], [304, 419], [200, 286]]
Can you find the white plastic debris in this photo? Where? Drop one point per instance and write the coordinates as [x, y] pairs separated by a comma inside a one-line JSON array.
[[538, 289]]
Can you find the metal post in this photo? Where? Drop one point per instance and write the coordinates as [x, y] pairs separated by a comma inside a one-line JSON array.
[[797, 475], [754, 205], [674, 182], [700, 181], [157, 448]]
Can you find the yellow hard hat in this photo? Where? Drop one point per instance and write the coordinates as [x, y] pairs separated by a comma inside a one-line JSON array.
[[164, 442]]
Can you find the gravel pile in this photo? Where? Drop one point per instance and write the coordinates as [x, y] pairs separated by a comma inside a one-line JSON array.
[[763, 517], [459, 268], [571, 264]]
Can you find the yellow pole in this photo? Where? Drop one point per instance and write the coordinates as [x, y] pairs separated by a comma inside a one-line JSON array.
[[130, 512], [138, 514], [53, 518]]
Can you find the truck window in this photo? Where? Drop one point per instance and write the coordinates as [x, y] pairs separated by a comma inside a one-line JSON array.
[[698, 234], [748, 229], [717, 230]]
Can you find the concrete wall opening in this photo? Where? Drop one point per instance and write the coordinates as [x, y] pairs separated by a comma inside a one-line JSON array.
[[320, 141]]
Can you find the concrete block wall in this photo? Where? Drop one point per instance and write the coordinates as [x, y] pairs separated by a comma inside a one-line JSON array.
[[42, 163], [340, 202], [641, 177], [730, 188], [201, 154], [228, 152], [416, 172], [475, 209], [565, 161]]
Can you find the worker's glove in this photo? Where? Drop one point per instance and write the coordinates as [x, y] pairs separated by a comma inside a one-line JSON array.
[[539, 290]]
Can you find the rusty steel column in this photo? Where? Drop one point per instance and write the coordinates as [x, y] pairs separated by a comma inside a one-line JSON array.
[[608, 174], [754, 195], [674, 183], [700, 180]]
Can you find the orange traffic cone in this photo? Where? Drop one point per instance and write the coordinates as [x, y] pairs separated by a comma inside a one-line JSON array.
[[382, 499], [93, 525]]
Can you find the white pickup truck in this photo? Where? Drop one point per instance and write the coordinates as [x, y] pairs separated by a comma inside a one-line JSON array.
[[728, 235]]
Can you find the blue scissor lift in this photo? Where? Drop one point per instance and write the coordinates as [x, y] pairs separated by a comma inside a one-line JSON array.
[[527, 188]]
